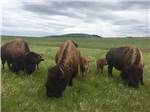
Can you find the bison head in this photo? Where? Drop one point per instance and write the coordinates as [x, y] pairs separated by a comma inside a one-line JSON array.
[[56, 82], [30, 62], [39, 58], [133, 75]]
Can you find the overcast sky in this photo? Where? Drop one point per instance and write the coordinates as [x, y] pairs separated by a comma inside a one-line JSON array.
[[49, 17]]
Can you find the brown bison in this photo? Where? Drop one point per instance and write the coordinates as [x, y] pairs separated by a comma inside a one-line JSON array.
[[18, 56], [60, 48], [68, 59], [100, 64], [129, 61], [84, 65]]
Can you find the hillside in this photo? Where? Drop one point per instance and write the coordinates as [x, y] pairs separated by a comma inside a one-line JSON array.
[[83, 35]]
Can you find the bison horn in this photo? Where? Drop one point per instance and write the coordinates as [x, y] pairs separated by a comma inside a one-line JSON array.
[[61, 70]]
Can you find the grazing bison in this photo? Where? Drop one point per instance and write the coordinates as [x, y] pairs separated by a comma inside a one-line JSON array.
[[100, 64], [68, 59], [84, 65], [129, 61], [18, 56], [12, 50]]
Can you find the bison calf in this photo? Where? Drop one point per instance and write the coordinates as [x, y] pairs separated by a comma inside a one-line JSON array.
[[100, 64], [84, 65]]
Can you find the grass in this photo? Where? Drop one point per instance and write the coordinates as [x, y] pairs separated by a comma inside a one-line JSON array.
[[96, 93]]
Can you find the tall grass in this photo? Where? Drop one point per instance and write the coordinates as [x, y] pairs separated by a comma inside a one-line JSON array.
[[96, 93]]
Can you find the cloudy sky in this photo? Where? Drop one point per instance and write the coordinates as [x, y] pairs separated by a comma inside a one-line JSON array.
[[49, 17]]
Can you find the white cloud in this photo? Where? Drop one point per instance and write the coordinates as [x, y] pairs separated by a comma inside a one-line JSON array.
[[137, 14], [18, 21]]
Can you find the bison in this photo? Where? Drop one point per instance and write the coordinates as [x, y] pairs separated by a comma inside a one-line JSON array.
[[100, 64], [84, 65], [68, 59], [18, 56], [129, 61], [59, 49]]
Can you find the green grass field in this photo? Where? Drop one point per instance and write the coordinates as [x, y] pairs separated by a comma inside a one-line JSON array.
[[96, 93]]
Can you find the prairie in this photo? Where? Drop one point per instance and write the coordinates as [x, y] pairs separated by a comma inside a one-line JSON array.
[[96, 93]]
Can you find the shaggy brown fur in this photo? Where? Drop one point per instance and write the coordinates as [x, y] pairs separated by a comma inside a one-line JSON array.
[[100, 64], [68, 59], [129, 61], [13, 50], [61, 49], [84, 65], [18, 56]]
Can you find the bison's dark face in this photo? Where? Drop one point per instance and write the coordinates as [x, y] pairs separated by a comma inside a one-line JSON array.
[[30, 62], [56, 82], [134, 75], [39, 58]]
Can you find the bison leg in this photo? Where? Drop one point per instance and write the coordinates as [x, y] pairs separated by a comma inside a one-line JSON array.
[[97, 69], [102, 69], [3, 63], [15, 67], [8, 63], [110, 71], [141, 79], [82, 75], [86, 72], [74, 74], [70, 82], [71, 79]]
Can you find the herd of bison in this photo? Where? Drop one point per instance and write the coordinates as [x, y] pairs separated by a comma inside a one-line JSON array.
[[128, 60]]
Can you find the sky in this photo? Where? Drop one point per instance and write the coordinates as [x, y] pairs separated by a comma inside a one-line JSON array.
[[56, 17]]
